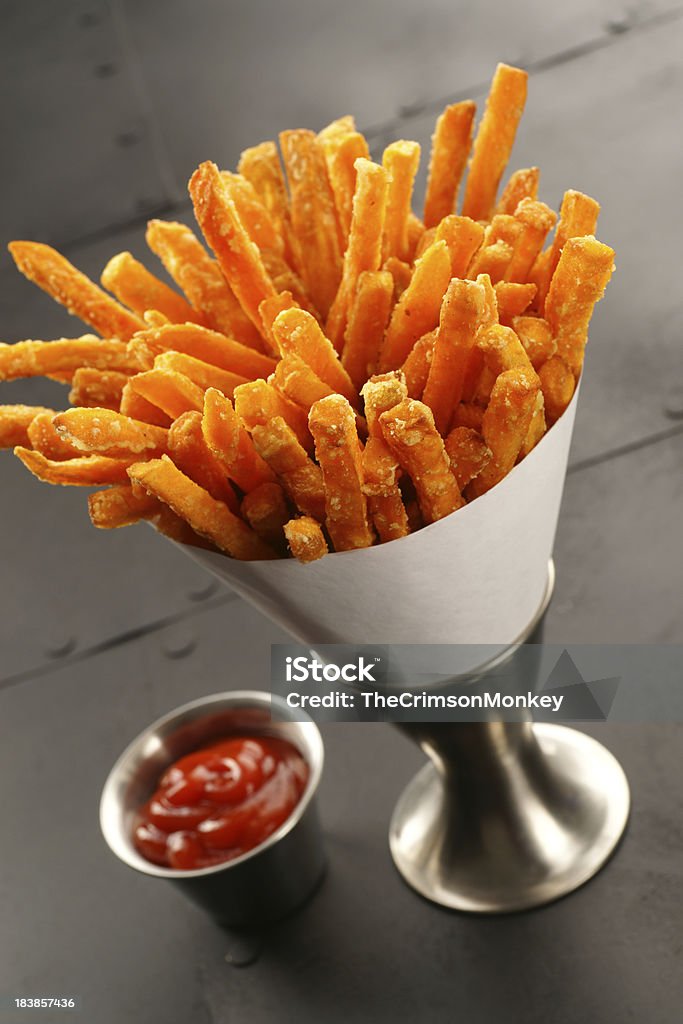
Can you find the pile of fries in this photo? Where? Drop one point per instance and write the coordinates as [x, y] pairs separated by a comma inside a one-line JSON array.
[[339, 372]]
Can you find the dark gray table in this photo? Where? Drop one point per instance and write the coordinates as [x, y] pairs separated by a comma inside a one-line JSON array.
[[100, 634]]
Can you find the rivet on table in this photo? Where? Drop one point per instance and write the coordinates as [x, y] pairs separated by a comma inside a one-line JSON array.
[[179, 642]]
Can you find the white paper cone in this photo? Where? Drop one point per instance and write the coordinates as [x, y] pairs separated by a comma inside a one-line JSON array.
[[476, 577]]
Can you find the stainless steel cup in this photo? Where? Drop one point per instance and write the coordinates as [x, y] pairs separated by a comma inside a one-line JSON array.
[[264, 884]]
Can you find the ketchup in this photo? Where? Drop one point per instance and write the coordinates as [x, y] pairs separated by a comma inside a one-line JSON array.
[[220, 802]]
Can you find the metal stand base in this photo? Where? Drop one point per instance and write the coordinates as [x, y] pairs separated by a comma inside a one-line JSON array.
[[508, 816]]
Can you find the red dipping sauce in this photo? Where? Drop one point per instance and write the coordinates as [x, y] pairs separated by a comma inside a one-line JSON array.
[[218, 803]]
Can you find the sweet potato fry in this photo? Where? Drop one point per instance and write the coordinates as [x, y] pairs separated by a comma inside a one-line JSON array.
[[582, 274], [401, 273], [462, 314], [237, 255], [381, 468], [63, 357], [297, 332], [468, 414], [513, 299], [502, 350], [505, 425], [451, 144], [400, 160], [364, 249], [87, 471], [578, 217], [314, 216], [368, 319], [558, 386], [523, 184], [15, 421], [469, 454], [342, 147], [97, 388], [494, 141], [253, 213], [104, 432], [296, 381], [191, 454], [200, 278], [416, 367], [200, 373], [42, 437], [410, 432], [417, 311], [537, 220], [227, 439], [493, 259], [464, 238], [133, 285], [427, 238], [416, 230], [536, 337], [301, 478], [209, 346], [333, 425], [258, 402], [537, 427], [268, 311], [136, 407], [261, 166], [55, 275], [380, 393], [305, 539], [172, 392], [207, 517], [265, 509], [120, 506], [388, 515]]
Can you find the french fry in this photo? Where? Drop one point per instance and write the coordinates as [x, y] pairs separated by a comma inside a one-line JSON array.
[[381, 469], [333, 425], [537, 427], [427, 238], [537, 220], [523, 184], [288, 281], [401, 273], [172, 392], [400, 160], [462, 314], [364, 249], [227, 439], [469, 454], [314, 216], [302, 480], [505, 425], [416, 230], [468, 414], [55, 275], [342, 147], [305, 539], [200, 278], [190, 453], [513, 299], [536, 337], [42, 437], [451, 144], [97, 388], [268, 311], [417, 311], [380, 466], [258, 402], [296, 381], [297, 332], [494, 141], [207, 517], [493, 259], [202, 374], [416, 367], [409, 430], [237, 255], [558, 385], [15, 421], [168, 524], [388, 515], [209, 346], [265, 509], [121, 506], [380, 393], [475, 364], [104, 432], [133, 285], [261, 166], [368, 319], [582, 274], [340, 126], [87, 471], [578, 217], [464, 238], [136, 407], [253, 213], [502, 350], [63, 357]]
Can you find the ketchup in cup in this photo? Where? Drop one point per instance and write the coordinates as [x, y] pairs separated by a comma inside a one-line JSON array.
[[221, 801]]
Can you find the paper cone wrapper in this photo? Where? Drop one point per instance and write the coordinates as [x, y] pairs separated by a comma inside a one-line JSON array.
[[476, 577]]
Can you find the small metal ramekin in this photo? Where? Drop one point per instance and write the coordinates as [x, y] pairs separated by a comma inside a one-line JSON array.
[[269, 881]]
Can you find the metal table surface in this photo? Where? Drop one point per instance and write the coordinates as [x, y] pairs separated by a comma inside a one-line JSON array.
[[99, 634]]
